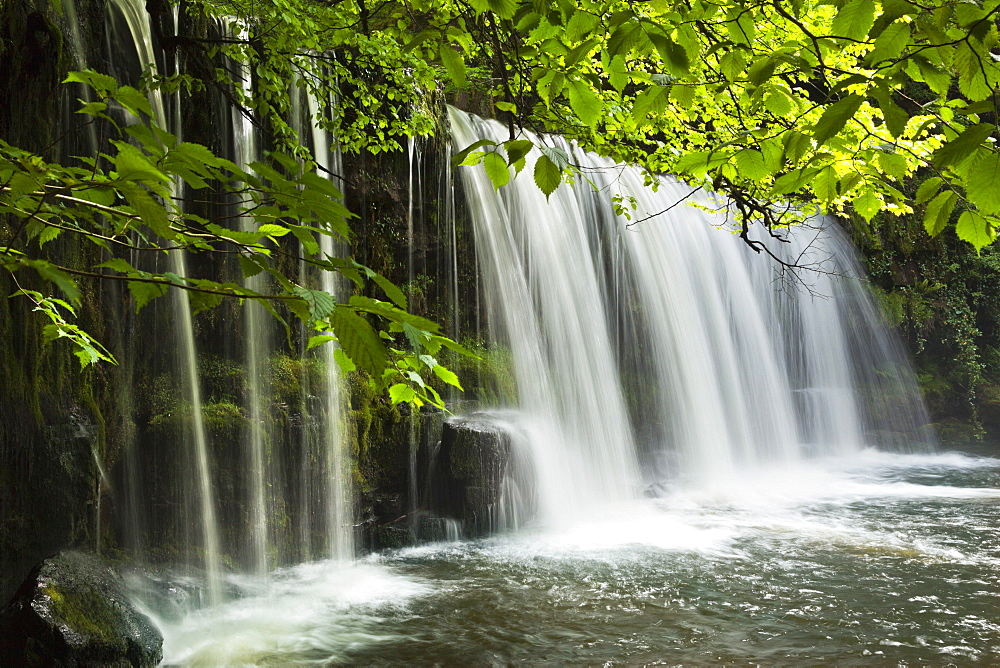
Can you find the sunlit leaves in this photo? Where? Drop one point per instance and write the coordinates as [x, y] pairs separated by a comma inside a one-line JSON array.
[[938, 212], [975, 228], [547, 175], [835, 117], [854, 19]]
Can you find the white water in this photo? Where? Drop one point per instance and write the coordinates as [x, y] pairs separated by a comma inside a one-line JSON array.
[[337, 486], [137, 19], [671, 338], [826, 560]]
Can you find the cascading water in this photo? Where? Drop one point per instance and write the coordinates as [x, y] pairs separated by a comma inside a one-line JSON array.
[[336, 486], [669, 337], [137, 20]]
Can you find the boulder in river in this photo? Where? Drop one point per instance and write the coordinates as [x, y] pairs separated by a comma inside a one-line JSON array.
[[73, 610]]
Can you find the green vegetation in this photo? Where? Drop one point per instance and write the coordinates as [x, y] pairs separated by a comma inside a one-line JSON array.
[[784, 107]]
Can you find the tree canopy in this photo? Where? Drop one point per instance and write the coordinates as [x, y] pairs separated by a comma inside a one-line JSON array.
[[785, 108]]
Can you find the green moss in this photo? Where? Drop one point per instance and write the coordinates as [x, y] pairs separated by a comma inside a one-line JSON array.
[[85, 611]]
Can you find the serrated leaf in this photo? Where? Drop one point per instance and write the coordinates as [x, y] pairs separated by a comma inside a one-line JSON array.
[[144, 292], [133, 100], [321, 304], [982, 184], [118, 264], [454, 64], [132, 165], [345, 363], [391, 290], [272, 230], [825, 184], [962, 147], [516, 149], [547, 175], [835, 117], [890, 44], [751, 164], [497, 169], [459, 158], [892, 164], [319, 340], [928, 189], [447, 376], [854, 19], [975, 228], [249, 266], [585, 103], [938, 212], [401, 393], [359, 341], [867, 204], [648, 100], [895, 117]]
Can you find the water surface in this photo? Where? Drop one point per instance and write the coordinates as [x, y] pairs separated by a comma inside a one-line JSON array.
[[873, 559]]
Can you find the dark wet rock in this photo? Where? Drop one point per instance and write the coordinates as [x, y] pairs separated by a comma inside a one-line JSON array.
[[467, 470], [75, 611]]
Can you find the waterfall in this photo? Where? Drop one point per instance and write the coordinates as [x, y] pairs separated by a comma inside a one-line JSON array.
[[662, 344], [137, 20], [336, 483]]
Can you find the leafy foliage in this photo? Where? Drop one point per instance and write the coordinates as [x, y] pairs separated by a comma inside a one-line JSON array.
[[127, 201]]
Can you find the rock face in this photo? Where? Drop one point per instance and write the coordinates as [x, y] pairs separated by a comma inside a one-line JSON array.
[[466, 474], [74, 611]]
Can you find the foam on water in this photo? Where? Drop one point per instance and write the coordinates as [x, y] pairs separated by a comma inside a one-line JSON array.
[[312, 612]]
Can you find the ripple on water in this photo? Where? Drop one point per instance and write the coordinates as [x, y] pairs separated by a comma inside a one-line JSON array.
[[879, 558]]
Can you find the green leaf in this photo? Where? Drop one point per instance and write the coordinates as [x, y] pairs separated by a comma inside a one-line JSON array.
[[57, 276], [321, 304], [133, 100], [152, 213], [401, 393], [319, 340], [359, 341], [836, 116], [647, 101], [132, 165], [892, 165], [459, 158], [890, 44], [144, 292], [497, 169], [673, 55], [975, 228], [938, 212], [982, 183], [547, 175], [517, 149], [751, 164], [854, 19], [928, 189], [895, 117], [447, 376], [454, 64], [962, 147], [825, 184], [345, 363], [585, 103], [391, 290], [867, 204], [118, 264], [99, 82]]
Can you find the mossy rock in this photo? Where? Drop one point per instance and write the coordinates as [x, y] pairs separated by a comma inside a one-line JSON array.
[[73, 610]]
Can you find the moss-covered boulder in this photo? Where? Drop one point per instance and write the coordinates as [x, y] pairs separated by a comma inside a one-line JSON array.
[[74, 611]]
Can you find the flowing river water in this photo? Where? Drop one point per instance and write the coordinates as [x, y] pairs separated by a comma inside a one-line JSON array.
[[874, 558]]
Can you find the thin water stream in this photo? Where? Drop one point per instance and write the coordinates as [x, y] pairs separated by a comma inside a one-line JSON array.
[[869, 559]]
